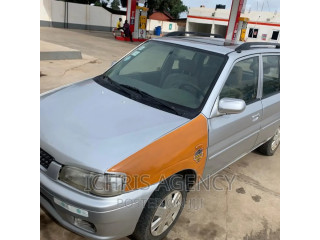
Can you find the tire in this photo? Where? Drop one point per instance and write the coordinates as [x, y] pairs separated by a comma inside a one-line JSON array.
[[271, 146], [173, 188]]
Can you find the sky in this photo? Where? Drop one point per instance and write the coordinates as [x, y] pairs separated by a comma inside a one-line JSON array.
[[255, 5]]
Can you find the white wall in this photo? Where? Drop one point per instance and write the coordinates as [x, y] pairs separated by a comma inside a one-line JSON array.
[[54, 11], [100, 17], [151, 24], [202, 12], [165, 26], [77, 13], [45, 10], [57, 12], [86, 15]]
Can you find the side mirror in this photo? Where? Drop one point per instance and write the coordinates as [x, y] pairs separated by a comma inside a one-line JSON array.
[[113, 63], [231, 106]]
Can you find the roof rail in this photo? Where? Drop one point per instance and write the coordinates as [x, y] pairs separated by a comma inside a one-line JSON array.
[[183, 34], [250, 45]]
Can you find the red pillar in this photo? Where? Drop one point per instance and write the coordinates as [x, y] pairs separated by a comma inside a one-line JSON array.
[[235, 11], [131, 12]]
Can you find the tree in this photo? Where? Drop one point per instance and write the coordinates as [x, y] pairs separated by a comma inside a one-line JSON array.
[[98, 3], [115, 5], [173, 7], [104, 3]]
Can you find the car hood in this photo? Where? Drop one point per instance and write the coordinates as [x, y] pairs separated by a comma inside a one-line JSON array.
[[88, 126]]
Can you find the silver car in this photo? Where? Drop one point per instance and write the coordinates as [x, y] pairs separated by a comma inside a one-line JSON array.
[[119, 152]]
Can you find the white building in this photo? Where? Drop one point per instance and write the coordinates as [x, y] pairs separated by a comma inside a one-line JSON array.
[[262, 26]]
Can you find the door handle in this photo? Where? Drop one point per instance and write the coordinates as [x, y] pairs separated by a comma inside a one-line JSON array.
[[255, 117]]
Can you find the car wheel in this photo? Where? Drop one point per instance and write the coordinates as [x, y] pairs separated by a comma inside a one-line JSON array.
[[161, 210], [272, 145]]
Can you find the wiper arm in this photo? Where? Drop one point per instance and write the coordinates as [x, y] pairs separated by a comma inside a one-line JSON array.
[[120, 86], [132, 91], [150, 97]]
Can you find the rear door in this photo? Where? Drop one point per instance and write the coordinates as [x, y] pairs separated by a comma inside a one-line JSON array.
[[270, 119], [232, 136]]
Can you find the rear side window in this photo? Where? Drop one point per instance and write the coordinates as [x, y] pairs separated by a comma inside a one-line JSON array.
[[271, 75], [242, 82]]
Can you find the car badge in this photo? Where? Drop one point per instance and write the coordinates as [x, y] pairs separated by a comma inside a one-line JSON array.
[[198, 155]]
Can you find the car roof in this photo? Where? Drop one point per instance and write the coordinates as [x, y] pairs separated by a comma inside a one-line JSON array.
[[205, 43], [219, 45]]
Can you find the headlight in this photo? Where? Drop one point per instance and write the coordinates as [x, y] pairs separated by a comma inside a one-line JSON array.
[[108, 184]]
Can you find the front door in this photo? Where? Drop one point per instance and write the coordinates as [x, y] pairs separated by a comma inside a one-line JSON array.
[[233, 135]]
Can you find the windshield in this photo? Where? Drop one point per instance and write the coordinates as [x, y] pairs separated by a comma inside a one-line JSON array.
[[168, 75]]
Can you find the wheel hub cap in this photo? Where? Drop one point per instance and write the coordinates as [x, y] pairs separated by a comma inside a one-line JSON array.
[[166, 213]]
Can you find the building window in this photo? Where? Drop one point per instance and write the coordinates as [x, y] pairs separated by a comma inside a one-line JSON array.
[[275, 35], [253, 33]]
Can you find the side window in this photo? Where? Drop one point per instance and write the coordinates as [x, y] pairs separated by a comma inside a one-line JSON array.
[[242, 82], [271, 75]]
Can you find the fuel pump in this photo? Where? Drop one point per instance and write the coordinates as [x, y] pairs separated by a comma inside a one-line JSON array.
[[137, 19], [140, 22], [242, 28]]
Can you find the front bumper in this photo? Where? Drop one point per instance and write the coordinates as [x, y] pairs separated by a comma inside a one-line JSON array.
[[112, 217]]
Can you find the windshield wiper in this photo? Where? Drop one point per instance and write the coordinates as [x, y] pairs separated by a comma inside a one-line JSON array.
[[121, 87], [132, 91], [152, 98]]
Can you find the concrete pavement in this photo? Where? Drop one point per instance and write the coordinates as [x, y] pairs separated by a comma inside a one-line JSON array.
[[99, 50], [50, 51], [248, 210]]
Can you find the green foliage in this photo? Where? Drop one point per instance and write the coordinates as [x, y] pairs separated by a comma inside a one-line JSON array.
[[173, 7], [105, 3], [115, 5], [98, 3]]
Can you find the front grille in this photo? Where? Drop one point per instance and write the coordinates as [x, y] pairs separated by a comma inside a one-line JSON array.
[[45, 158]]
